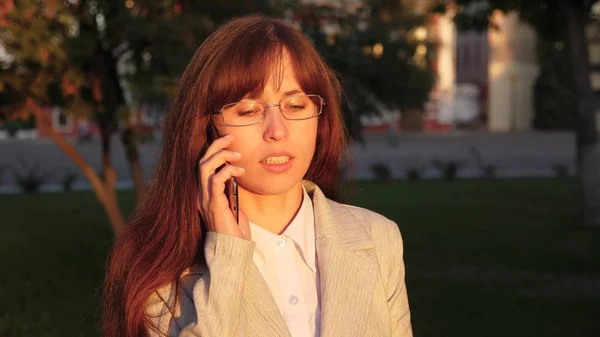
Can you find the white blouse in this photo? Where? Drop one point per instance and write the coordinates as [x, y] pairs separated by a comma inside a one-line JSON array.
[[287, 262]]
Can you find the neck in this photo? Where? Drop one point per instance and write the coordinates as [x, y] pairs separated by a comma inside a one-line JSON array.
[[272, 212]]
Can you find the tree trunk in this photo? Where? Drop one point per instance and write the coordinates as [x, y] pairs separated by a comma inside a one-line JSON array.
[[137, 174], [114, 97], [588, 147], [106, 125], [106, 199], [133, 158]]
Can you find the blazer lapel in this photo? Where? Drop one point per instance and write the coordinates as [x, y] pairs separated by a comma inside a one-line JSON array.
[[347, 267]]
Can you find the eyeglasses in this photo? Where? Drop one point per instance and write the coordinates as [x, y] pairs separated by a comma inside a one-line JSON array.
[[250, 112]]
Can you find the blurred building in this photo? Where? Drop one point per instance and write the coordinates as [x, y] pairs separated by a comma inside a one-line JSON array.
[[438, 115], [511, 72], [484, 80], [470, 108]]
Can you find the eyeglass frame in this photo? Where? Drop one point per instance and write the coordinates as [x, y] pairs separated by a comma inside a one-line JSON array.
[[266, 106]]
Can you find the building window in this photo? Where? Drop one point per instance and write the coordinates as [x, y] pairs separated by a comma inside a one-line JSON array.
[[61, 121]]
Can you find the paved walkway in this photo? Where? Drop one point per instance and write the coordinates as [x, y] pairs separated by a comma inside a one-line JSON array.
[[512, 154]]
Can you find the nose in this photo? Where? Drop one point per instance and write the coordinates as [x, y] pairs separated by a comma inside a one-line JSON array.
[[275, 125]]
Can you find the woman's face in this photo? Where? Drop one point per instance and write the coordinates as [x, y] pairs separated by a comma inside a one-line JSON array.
[[277, 152]]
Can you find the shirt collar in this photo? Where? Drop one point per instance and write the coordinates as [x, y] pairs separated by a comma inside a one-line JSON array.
[[301, 231]]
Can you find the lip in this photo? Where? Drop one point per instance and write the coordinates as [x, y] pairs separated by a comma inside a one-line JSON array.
[[277, 154], [278, 168]]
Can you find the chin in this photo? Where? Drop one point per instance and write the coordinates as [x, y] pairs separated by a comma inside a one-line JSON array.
[[270, 184]]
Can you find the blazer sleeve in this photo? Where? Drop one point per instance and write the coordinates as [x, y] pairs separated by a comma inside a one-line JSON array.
[[216, 298], [397, 296], [162, 322]]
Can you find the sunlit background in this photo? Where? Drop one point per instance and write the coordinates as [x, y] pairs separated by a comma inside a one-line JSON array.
[[473, 124]]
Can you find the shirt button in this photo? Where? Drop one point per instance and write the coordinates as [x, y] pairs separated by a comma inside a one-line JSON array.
[[293, 300], [281, 243]]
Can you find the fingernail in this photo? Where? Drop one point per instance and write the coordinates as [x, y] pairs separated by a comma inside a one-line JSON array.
[[241, 169], [237, 154], [227, 136]]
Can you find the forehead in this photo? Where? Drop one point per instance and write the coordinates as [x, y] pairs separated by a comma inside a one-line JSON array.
[[281, 78]]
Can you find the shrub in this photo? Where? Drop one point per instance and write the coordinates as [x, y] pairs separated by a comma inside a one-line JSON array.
[[560, 170], [413, 174], [29, 177], [67, 181], [487, 171], [448, 168], [381, 172]]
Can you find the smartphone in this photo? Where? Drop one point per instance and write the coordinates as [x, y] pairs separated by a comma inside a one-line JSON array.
[[231, 190]]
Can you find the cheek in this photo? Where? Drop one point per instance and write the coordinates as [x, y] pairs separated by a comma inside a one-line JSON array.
[[246, 143], [306, 138], [313, 131]]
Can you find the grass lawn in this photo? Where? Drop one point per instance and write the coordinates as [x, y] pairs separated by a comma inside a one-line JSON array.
[[483, 258]]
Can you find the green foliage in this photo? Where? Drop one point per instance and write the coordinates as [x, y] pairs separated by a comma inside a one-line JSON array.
[[372, 49], [40, 70], [14, 125], [555, 99], [72, 51], [74, 54], [163, 41]]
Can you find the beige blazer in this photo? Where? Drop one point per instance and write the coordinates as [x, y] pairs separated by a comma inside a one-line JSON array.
[[362, 287]]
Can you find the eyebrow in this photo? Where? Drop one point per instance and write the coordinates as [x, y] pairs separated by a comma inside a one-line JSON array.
[[292, 92], [285, 94]]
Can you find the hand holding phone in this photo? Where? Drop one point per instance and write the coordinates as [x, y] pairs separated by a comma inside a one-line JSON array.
[[218, 202]]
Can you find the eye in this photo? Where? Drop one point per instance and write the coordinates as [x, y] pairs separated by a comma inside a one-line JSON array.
[[248, 109], [298, 103], [297, 106]]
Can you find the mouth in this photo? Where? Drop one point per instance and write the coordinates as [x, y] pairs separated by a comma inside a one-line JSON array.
[[276, 160]]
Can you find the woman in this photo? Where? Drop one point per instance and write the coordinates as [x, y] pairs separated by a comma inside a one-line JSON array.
[[257, 103]]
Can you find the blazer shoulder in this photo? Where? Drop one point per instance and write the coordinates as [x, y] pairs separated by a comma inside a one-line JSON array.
[[388, 242], [375, 221], [384, 232]]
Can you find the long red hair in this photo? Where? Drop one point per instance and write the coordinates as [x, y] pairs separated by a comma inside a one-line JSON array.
[[165, 236]]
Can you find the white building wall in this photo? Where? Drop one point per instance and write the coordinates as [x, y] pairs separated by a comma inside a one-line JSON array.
[[512, 72]]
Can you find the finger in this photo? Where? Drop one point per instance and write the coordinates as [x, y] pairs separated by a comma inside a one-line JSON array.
[[217, 197], [209, 167], [217, 145], [219, 158]]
